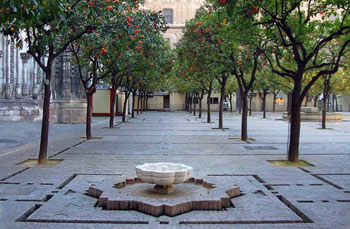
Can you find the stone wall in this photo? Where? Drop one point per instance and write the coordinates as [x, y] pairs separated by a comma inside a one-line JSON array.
[[19, 110]]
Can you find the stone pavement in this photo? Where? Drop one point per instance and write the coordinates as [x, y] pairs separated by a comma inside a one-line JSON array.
[[271, 197]]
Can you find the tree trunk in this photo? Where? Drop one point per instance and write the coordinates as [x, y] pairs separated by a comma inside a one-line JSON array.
[[146, 104], [239, 102], [306, 99], [138, 103], [264, 104], [133, 105], [324, 113], [141, 105], [44, 140], [230, 99], [124, 108], [186, 103], [336, 103], [222, 97], [289, 103], [250, 105], [116, 103], [111, 115], [274, 102], [325, 99], [315, 101], [244, 124], [261, 96], [190, 104], [200, 105], [88, 115], [208, 103], [293, 152], [194, 105]]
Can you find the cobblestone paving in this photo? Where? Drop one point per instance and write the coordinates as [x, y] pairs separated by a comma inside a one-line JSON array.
[[271, 197]]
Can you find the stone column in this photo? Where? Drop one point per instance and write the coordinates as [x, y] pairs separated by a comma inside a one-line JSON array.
[[1, 72], [25, 89], [36, 75], [18, 87], [8, 87], [41, 77], [12, 66], [66, 77]]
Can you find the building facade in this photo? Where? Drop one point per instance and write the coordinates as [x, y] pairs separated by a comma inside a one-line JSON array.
[[21, 87], [176, 13]]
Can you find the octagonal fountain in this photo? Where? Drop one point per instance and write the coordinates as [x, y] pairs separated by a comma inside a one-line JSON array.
[[164, 175], [190, 194]]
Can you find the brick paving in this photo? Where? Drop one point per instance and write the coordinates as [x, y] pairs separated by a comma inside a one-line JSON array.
[[271, 197]]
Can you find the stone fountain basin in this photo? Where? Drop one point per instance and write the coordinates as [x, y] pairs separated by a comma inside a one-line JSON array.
[[164, 173]]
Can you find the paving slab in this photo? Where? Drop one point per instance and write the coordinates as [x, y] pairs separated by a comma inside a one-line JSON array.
[[271, 197]]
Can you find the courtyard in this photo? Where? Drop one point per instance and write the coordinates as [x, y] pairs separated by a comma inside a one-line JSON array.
[[55, 196]]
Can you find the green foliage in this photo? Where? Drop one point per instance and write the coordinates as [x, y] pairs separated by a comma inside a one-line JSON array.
[[48, 27], [301, 34], [128, 51]]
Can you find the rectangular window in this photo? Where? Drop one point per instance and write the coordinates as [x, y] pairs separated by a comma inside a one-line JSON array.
[[214, 100], [168, 14]]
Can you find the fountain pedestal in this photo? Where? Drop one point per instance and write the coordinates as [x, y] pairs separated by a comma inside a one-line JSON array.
[[163, 189]]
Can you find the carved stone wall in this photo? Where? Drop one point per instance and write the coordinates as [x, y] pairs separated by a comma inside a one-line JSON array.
[[21, 88]]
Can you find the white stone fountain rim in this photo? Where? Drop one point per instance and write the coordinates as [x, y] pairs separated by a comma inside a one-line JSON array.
[[157, 167]]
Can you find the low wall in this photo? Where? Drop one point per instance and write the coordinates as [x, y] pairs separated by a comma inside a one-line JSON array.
[[316, 117]]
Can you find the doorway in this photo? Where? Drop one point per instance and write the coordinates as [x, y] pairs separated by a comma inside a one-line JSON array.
[[166, 101]]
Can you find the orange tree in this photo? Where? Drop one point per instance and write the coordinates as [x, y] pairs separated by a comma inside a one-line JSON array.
[[183, 83], [242, 47], [231, 88], [47, 28], [315, 91], [146, 70], [262, 86], [300, 30], [195, 72], [207, 33], [341, 80], [268, 82], [116, 50], [139, 51], [201, 48]]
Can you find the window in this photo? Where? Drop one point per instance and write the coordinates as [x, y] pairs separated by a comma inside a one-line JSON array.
[[168, 14], [214, 100]]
